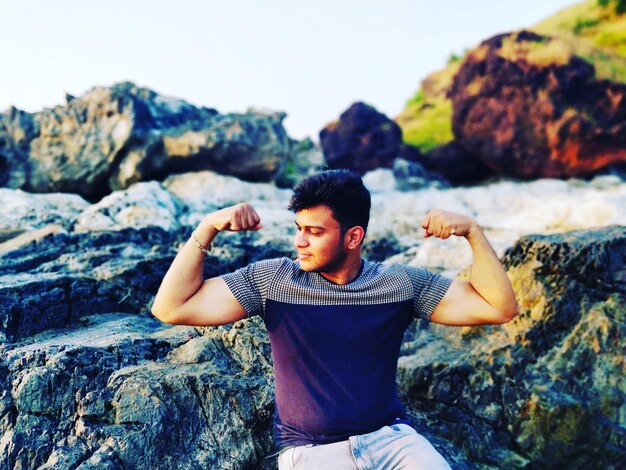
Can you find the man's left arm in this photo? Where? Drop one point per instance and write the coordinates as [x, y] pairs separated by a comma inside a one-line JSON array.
[[488, 297]]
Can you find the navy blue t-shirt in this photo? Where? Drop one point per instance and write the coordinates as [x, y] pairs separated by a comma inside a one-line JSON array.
[[335, 346]]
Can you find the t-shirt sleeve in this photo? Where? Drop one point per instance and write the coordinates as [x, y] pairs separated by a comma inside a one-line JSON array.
[[249, 284], [428, 290]]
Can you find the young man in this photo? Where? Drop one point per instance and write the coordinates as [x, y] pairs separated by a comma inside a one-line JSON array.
[[336, 321]]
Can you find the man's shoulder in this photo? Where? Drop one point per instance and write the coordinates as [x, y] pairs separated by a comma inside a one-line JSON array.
[[378, 268]]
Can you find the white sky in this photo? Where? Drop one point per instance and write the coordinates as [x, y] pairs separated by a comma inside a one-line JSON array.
[[310, 59]]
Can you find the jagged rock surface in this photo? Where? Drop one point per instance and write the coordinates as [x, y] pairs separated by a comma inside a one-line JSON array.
[[110, 138], [122, 391], [548, 389], [89, 380]]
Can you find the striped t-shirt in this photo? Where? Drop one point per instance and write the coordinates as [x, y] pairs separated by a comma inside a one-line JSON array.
[[335, 346]]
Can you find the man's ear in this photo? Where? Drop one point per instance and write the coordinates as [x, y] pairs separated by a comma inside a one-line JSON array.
[[354, 237]]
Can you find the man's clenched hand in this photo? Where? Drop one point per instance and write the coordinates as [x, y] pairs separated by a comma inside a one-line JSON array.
[[442, 224], [235, 218]]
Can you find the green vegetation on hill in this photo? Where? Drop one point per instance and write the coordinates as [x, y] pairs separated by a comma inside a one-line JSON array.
[[426, 121], [594, 30]]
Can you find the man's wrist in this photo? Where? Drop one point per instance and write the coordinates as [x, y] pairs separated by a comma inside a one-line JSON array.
[[205, 233], [474, 230]]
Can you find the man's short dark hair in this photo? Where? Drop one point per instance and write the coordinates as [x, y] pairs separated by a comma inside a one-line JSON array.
[[342, 191]]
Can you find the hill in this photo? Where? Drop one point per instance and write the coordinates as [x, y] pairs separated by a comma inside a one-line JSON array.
[[593, 32]]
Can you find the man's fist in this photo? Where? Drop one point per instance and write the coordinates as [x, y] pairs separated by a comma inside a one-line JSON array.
[[235, 218], [442, 224]]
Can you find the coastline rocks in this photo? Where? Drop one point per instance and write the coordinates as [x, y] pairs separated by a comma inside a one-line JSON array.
[[411, 176], [53, 281], [455, 164], [112, 137], [506, 211], [527, 108], [88, 379], [105, 396], [362, 140], [141, 205], [21, 211], [547, 388]]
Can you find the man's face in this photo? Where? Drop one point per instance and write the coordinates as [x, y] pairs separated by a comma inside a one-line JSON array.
[[318, 240]]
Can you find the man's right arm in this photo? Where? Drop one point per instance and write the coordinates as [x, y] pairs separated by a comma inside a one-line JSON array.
[[184, 297]]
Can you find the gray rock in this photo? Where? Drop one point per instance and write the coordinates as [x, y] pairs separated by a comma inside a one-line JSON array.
[[412, 175], [142, 205], [110, 138], [22, 212], [104, 396], [547, 389], [53, 281]]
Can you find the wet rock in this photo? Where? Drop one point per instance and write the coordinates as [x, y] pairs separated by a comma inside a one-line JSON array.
[[528, 108]]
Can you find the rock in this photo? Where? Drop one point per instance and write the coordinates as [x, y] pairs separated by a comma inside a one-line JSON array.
[[506, 211], [528, 108], [305, 159], [204, 192], [252, 147], [110, 138], [105, 396], [17, 129], [21, 211], [412, 175], [362, 140], [454, 163], [88, 379], [141, 205], [548, 388], [53, 281]]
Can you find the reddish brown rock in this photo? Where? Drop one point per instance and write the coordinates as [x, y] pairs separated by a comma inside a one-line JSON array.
[[362, 140], [528, 108]]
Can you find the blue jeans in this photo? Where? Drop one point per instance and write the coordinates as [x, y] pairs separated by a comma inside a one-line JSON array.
[[390, 448]]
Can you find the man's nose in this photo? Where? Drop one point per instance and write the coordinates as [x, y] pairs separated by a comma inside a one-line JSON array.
[[300, 240]]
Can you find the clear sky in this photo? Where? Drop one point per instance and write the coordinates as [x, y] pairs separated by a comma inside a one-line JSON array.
[[310, 59]]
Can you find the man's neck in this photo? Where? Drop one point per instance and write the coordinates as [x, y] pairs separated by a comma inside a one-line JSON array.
[[346, 274]]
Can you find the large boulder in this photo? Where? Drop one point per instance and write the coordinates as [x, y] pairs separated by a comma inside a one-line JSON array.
[[528, 108], [455, 164], [109, 138], [123, 391], [548, 389], [362, 140]]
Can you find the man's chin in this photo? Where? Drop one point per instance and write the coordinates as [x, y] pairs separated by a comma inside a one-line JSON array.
[[307, 265]]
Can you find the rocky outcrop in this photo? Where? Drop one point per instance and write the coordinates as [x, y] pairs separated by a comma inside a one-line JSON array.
[[112, 137], [361, 140], [125, 392], [454, 163], [528, 108], [88, 379], [548, 389]]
